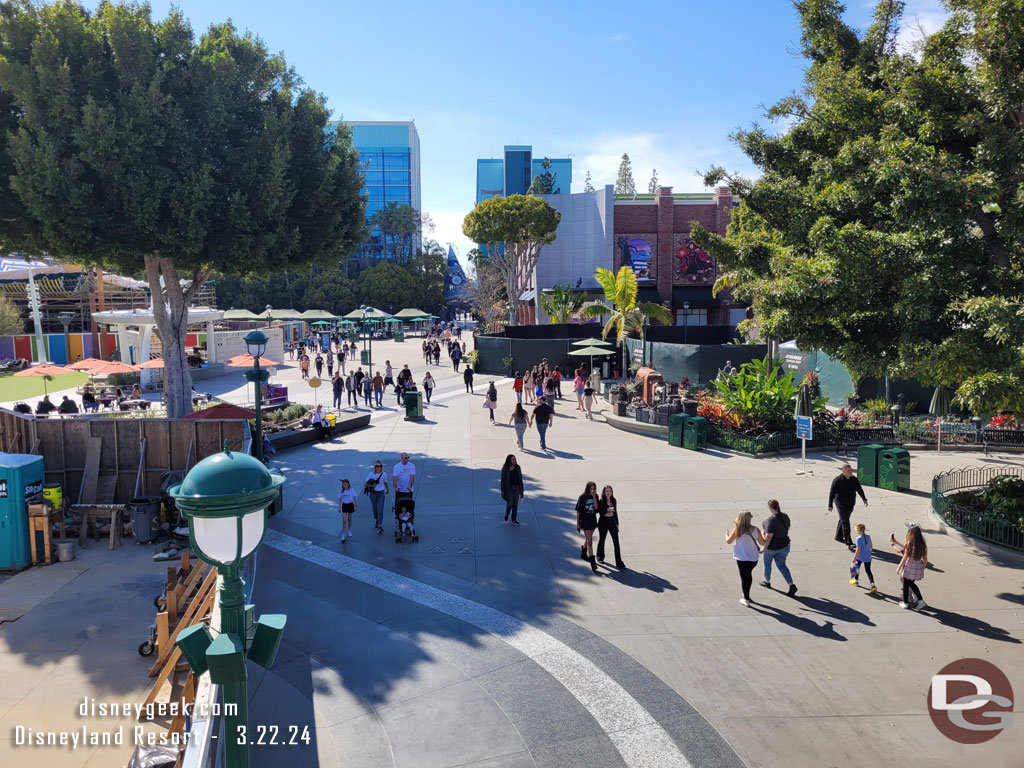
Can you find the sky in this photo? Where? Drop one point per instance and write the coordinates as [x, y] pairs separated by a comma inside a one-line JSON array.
[[666, 81]]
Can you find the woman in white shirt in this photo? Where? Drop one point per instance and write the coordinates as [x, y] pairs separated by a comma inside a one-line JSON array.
[[346, 506], [376, 487], [746, 540]]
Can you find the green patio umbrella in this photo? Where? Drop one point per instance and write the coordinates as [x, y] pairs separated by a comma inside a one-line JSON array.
[[392, 320], [240, 314], [320, 322], [804, 401], [346, 322], [590, 351], [940, 408]]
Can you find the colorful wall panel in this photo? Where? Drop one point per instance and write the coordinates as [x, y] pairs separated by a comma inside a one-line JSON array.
[[76, 348], [56, 349], [6, 346], [191, 340], [23, 347]]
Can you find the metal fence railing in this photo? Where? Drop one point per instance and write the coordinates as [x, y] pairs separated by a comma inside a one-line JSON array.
[[980, 523], [767, 443], [923, 432]]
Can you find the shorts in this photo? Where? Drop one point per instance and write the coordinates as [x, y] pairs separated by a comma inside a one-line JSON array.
[[348, 509], [588, 522]]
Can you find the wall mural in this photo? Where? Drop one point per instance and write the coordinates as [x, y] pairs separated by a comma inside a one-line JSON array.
[[638, 252], [693, 265]]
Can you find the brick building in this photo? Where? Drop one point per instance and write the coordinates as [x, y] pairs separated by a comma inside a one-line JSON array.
[[652, 235]]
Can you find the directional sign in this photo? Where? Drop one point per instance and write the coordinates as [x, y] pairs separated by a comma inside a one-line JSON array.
[[804, 427]]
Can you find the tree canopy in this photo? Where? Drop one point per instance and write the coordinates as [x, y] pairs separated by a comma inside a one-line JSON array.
[[561, 303], [513, 228], [131, 144], [887, 227], [546, 182], [624, 184]]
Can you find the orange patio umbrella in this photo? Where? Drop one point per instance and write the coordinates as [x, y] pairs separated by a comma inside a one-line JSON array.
[[46, 371], [109, 369], [85, 365], [246, 361], [223, 411], [156, 362]]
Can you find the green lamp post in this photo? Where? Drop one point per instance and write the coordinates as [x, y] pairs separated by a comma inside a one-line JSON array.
[[256, 343], [369, 339], [225, 498]]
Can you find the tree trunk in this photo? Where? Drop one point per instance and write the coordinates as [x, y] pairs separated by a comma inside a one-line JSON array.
[[170, 309], [511, 286]]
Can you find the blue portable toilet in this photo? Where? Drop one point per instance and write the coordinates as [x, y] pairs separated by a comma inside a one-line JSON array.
[[21, 481]]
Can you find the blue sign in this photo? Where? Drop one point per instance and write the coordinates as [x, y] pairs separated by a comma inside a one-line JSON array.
[[804, 427]]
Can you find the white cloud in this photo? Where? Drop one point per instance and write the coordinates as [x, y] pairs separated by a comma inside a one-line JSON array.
[[617, 38], [920, 19]]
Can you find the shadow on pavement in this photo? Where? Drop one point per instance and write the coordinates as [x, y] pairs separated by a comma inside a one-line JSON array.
[[834, 610], [826, 631], [970, 625], [641, 580]]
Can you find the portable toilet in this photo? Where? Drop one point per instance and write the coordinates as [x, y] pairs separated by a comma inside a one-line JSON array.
[[21, 482]]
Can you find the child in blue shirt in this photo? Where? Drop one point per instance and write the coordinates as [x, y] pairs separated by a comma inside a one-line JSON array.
[[862, 557]]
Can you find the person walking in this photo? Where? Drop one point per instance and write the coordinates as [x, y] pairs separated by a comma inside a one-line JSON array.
[[403, 475], [528, 385], [520, 420], [367, 391], [319, 362], [746, 540], [428, 386], [347, 500], [517, 387], [389, 374], [341, 362], [456, 355], [467, 377], [330, 364], [376, 487], [378, 390], [350, 388], [862, 557], [586, 522], [556, 379], [304, 365], [512, 489], [588, 400], [577, 387], [437, 353], [491, 401], [344, 349], [542, 415], [352, 351], [337, 387], [844, 491], [913, 561], [608, 523], [776, 546]]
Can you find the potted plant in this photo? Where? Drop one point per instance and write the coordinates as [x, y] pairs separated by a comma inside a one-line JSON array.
[[473, 359], [508, 362]]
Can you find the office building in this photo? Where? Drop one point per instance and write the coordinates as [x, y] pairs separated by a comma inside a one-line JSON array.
[[389, 155], [515, 170]]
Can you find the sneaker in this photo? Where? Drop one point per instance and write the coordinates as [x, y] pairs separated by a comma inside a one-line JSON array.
[[904, 605], [792, 590], [766, 584], [744, 602], [343, 537], [921, 604], [873, 589], [350, 534], [854, 582], [515, 522], [506, 517]]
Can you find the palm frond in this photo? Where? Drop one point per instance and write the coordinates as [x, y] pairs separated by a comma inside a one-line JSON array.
[[656, 312]]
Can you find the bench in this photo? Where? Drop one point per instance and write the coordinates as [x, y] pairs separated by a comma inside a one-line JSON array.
[[1002, 438], [857, 436]]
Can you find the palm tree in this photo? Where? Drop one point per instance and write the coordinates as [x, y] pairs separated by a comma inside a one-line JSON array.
[[561, 304], [625, 316]]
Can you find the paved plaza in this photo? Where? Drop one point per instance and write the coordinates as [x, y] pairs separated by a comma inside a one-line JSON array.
[[486, 644]]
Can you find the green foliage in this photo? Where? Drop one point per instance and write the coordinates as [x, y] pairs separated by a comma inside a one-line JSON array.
[[389, 287], [545, 183], [508, 362], [1005, 494], [759, 392], [11, 323], [887, 225], [472, 358], [624, 184], [652, 185], [290, 412], [399, 223], [875, 408], [561, 303], [513, 228], [588, 186]]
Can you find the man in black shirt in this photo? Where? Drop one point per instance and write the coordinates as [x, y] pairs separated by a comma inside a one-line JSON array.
[[68, 406], [44, 406], [542, 415], [843, 493]]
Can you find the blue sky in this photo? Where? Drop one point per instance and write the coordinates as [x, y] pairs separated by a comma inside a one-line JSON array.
[[664, 81]]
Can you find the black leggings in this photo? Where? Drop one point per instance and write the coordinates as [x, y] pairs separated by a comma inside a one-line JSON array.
[[908, 587], [746, 575], [867, 570], [608, 526]]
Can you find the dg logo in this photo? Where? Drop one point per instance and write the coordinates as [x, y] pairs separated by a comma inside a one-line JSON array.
[[970, 701]]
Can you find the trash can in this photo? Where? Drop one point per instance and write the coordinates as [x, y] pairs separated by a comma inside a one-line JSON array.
[[364, 356], [145, 516], [867, 464], [894, 469], [399, 335], [413, 405], [695, 433], [676, 425]]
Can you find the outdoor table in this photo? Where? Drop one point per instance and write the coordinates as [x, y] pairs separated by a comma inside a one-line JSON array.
[[42, 518], [126, 405]]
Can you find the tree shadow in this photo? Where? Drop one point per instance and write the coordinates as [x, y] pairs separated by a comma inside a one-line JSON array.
[[826, 630], [1011, 597]]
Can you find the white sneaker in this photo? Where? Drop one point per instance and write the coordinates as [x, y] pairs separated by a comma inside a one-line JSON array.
[[904, 605], [920, 604], [344, 536], [744, 601], [350, 534]]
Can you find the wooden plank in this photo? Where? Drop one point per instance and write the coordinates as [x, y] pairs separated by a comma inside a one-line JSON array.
[[87, 492], [139, 474], [197, 609]]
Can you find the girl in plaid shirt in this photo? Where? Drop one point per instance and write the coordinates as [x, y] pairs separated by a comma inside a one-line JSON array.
[[911, 568]]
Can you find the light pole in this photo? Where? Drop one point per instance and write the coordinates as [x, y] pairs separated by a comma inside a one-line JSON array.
[[65, 320], [368, 341], [256, 343], [686, 321], [225, 498]]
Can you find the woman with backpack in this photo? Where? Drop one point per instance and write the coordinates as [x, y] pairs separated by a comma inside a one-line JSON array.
[[491, 401], [746, 540], [776, 546]]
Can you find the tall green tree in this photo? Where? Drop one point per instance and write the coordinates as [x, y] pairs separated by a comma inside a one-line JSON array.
[[545, 182], [652, 185], [140, 148], [429, 266], [588, 186], [887, 227], [11, 322], [389, 287], [562, 303], [513, 228], [331, 289], [624, 184], [399, 224], [625, 316]]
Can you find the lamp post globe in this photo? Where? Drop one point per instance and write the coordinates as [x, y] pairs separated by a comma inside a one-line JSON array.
[[256, 343]]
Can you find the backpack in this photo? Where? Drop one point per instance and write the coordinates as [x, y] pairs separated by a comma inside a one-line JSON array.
[[492, 395]]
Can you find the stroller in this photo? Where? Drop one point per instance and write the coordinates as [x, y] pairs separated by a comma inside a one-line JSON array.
[[405, 518]]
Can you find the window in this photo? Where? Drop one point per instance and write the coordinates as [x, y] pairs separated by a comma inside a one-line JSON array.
[[374, 177], [376, 193], [397, 194], [397, 177], [394, 161], [697, 317]]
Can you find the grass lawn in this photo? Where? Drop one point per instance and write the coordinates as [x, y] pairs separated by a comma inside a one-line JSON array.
[[20, 387]]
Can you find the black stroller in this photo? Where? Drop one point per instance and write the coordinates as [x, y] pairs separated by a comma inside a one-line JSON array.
[[405, 518]]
